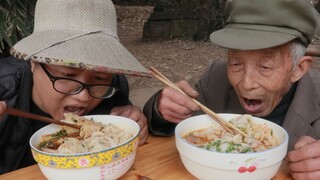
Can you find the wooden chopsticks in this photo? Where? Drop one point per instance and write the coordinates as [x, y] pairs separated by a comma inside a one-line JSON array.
[[20, 113], [225, 124]]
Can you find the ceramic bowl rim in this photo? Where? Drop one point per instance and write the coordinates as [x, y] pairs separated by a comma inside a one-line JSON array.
[[87, 153], [283, 143]]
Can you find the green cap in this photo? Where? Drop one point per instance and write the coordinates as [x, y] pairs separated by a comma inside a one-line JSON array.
[[259, 24]]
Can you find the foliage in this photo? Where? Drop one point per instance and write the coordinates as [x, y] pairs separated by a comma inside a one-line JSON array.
[[16, 22]]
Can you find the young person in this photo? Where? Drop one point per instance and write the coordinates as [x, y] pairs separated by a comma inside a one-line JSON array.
[[74, 63]]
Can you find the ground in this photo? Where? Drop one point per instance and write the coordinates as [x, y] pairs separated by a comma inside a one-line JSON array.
[[177, 59]]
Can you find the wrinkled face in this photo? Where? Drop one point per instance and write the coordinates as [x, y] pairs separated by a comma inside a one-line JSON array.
[[260, 77], [55, 103]]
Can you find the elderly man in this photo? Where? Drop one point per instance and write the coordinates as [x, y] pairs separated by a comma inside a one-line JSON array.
[[266, 75]]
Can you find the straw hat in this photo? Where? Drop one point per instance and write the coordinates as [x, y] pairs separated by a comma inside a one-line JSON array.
[[259, 24], [78, 33]]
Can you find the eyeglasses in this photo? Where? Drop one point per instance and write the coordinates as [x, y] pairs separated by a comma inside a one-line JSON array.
[[72, 87]]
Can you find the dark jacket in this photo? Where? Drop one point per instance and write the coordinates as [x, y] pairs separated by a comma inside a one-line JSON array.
[[302, 116], [15, 89]]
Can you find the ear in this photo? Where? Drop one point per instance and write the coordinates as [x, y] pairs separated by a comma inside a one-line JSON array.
[[302, 68], [33, 64]]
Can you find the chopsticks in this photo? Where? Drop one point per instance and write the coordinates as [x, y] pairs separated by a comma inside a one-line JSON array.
[[225, 124], [20, 113]]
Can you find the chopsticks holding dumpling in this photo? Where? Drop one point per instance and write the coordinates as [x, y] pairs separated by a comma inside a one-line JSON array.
[[18, 112]]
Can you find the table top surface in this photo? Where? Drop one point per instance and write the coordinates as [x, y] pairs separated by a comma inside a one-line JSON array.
[[157, 159]]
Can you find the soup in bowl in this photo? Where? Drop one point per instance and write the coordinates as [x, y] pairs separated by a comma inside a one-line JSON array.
[[223, 156], [90, 160]]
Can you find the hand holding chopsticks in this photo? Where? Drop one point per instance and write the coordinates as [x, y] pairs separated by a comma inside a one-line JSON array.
[[17, 112], [225, 124]]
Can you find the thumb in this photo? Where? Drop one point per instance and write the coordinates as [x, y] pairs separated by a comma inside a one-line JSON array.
[[3, 107], [3, 104], [186, 87], [115, 111], [303, 141]]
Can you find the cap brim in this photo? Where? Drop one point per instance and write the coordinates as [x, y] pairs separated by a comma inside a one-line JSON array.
[[96, 51], [246, 39]]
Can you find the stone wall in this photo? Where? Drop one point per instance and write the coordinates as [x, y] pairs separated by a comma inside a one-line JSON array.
[[189, 19], [135, 2]]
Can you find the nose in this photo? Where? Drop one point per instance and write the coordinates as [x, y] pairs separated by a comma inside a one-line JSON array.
[[82, 95], [249, 80]]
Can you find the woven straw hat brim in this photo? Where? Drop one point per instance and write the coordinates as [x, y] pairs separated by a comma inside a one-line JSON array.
[[96, 51]]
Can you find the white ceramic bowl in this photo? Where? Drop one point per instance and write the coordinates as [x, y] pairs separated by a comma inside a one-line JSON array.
[[204, 164], [109, 163]]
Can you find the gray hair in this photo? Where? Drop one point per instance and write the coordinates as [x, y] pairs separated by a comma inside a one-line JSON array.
[[298, 50]]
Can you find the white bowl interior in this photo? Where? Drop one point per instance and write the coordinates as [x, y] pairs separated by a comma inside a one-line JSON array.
[[205, 164]]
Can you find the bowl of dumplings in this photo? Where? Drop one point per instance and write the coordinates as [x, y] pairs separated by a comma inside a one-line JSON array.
[[103, 148], [209, 151]]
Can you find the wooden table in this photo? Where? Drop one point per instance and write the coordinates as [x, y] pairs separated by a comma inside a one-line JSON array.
[[157, 159]]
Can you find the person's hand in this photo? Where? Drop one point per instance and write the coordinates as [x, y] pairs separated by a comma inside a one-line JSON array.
[[3, 107], [134, 113], [304, 160], [174, 106]]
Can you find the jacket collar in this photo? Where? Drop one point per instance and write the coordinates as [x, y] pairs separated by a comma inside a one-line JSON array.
[[303, 111], [305, 105]]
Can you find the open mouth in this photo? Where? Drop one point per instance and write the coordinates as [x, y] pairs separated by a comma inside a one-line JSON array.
[[252, 105], [73, 109]]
